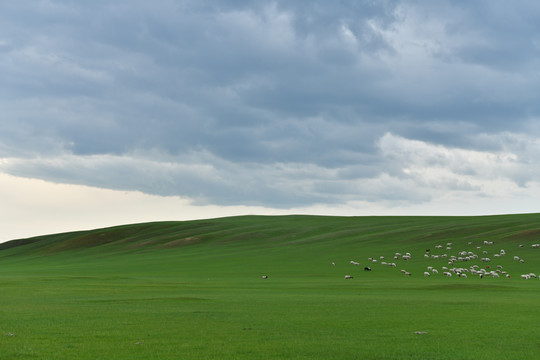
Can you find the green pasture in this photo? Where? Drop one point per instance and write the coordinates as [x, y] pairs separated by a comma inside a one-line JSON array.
[[193, 290]]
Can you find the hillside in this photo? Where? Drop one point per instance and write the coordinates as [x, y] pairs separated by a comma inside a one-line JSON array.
[[279, 230], [304, 240], [195, 290]]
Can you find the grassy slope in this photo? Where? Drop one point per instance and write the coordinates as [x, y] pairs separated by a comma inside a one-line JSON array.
[[193, 290]]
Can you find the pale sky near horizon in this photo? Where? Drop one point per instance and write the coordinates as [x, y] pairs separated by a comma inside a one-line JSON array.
[[119, 111]]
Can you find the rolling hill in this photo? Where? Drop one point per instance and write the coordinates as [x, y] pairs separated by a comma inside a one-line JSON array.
[[195, 290]]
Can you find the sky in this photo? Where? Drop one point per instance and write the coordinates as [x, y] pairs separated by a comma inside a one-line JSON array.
[[116, 111]]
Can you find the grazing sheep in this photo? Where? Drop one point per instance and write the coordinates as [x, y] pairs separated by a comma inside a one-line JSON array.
[[426, 273], [367, 268], [348, 277], [265, 276], [435, 271]]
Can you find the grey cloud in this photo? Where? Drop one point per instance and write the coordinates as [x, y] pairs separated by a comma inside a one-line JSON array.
[[200, 176], [257, 84]]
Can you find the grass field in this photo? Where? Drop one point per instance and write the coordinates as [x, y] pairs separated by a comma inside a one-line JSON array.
[[193, 290]]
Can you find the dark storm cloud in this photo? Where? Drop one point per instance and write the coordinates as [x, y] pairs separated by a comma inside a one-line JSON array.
[[260, 89]]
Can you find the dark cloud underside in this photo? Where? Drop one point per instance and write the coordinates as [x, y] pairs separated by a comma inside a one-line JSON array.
[[285, 102]]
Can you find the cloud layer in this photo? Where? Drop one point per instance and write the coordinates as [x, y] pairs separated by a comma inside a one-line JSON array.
[[283, 104]]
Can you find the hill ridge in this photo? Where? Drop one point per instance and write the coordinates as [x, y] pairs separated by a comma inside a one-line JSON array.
[[281, 229]]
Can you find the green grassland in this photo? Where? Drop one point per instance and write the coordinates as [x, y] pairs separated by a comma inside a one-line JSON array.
[[193, 290]]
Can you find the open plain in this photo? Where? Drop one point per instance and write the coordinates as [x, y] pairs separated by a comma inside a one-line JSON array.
[[195, 290]]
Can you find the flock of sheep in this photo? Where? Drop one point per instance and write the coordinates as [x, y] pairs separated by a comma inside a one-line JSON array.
[[461, 265]]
